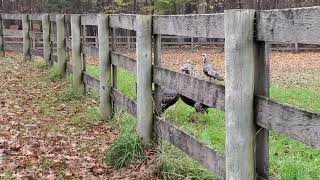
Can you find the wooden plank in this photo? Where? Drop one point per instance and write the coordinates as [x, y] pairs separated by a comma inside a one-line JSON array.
[[298, 25], [12, 16], [239, 102], [124, 21], [47, 50], [26, 38], [157, 62], [15, 47], [69, 68], [89, 19], [52, 17], [89, 50], [61, 43], [144, 78], [203, 25], [1, 37], [68, 43], [296, 123], [123, 102], [105, 67], [54, 58], [202, 91], [261, 86], [124, 62], [36, 52], [35, 17], [77, 62], [12, 32], [91, 81], [197, 150]]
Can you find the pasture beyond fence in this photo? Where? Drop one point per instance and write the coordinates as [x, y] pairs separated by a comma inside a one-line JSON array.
[[250, 113]]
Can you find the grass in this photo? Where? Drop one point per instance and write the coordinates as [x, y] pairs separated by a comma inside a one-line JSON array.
[[127, 146], [289, 159], [90, 118]]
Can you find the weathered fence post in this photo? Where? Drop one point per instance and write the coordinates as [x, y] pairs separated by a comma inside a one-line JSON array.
[[113, 47], [261, 87], [46, 39], [105, 65], [157, 62], [26, 38], [76, 54], [1, 37], [61, 43], [144, 78], [239, 64]]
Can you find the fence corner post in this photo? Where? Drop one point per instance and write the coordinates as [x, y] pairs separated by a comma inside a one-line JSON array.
[[1, 37], [26, 38], [46, 39], [105, 67], [239, 64], [144, 78], [77, 62], [61, 43]]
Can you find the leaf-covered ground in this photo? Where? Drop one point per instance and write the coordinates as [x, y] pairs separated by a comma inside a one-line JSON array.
[[48, 133]]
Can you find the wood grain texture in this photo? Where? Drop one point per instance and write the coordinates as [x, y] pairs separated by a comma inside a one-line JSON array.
[[261, 87], [124, 21], [239, 102], [123, 102], [12, 32], [76, 54], [89, 50], [1, 37], [202, 91], [91, 81], [12, 16], [124, 62], [47, 50], [35, 17], [15, 47], [157, 62], [61, 43], [144, 78], [209, 26], [197, 150], [37, 52], [89, 19], [299, 25], [296, 123], [52, 17], [105, 67], [26, 38]]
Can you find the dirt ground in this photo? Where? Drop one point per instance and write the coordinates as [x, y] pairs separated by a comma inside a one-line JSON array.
[[37, 140]]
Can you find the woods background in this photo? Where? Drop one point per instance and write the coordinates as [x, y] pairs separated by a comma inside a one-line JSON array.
[[145, 6]]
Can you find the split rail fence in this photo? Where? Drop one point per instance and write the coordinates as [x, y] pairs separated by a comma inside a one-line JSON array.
[[250, 113]]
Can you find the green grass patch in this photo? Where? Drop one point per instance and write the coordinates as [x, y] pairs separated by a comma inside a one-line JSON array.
[[175, 164], [90, 118], [40, 64], [54, 75], [70, 95], [127, 146], [125, 80]]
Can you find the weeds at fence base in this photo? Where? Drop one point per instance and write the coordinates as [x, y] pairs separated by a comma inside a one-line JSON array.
[[177, 165], [90, 118], [40, 64], [128, 146], [54, 75], [70, 95]]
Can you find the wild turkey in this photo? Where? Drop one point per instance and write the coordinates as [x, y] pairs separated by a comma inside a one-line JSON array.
[[209, 71], [168, 98], [187, 69]]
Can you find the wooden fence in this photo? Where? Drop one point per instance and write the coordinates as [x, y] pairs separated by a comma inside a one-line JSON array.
[[250, 113]]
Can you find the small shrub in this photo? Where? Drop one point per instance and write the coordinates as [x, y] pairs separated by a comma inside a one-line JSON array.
[[40, 64], [127, 147], [70, 95], [54, 75]]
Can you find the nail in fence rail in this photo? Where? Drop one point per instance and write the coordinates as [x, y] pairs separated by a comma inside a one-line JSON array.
[[61, 43], [239, 65], [105, 66], [26, 38], [47, 50], [144, 78]]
